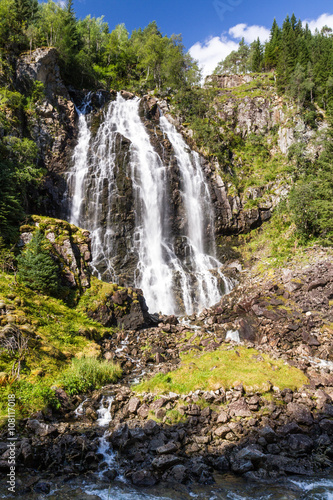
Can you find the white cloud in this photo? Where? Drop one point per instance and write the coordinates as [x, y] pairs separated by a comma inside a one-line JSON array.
[[323, 20], [249, 33], [211, 52]]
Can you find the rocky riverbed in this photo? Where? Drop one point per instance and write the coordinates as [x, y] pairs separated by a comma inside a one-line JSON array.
[[258, 433]]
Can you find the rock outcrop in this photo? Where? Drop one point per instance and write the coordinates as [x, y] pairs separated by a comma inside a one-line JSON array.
[[118, 306], [52, 123], [70, 248]]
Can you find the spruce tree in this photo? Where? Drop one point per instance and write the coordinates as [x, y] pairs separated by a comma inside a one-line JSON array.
[[36, 267], [272, 46]]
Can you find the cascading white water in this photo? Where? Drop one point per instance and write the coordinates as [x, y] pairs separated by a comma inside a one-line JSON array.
[[171, 283], [155, 254], [104, 418], [200, 219]]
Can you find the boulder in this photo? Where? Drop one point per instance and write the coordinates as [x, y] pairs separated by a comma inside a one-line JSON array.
[[300, 413]]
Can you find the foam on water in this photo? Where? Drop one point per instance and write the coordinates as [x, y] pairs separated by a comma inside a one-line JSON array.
[[233, 335]]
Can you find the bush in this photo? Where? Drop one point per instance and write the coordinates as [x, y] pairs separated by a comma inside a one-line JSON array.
[[311, 207], [36, 268], [87, 374], [30, 397]]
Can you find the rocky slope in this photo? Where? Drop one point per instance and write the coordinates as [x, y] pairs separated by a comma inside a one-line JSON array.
[[259, 432]]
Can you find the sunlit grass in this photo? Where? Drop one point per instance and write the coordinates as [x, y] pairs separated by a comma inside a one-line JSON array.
[[225, 368]]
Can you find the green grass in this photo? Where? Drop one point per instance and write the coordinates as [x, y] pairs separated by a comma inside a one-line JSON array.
[[274, 243], [86, 374], [56, 333], [225, 368]]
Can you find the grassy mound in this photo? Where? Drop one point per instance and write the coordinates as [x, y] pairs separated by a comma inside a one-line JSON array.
[[226, 368]]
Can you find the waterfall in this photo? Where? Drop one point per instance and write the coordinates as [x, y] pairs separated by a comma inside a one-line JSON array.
[[121, 191]]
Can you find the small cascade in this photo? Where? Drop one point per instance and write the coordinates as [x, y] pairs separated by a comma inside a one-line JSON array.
[[146, 227], [104, 418], [80, 409]]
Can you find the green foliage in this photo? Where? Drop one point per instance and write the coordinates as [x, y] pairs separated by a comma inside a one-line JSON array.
[[36, 95], [11, 211], [63, 333], [28, 398], [303, 62], [18, 156], [224, 368], [311, 199], [7, 257], [236, 62], [89, 52], [36, 267], [87, 374]]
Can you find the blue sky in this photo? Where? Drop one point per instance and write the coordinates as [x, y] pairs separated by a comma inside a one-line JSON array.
[[210, 29]]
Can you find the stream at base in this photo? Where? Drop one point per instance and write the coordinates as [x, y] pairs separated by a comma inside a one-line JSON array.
[[227, 487], [99, 486]]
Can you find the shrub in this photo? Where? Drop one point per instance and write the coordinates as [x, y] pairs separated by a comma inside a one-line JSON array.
[[36, 267], [86, 374]]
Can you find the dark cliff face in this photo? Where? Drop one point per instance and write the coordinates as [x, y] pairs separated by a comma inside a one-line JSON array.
[[51, 125]]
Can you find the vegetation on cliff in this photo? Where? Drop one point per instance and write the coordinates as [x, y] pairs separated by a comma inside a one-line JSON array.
[[302, 62], [250, 160], [91, 54], [50, 335]]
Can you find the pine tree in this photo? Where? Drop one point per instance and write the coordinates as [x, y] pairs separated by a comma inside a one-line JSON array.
[[26, 10], [256, 57], [272, 46], [36, 268]]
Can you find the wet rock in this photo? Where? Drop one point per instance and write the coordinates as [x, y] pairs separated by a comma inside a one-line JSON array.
[[300, 443], [170, 447], [241, 466], [327, 426], [110, 474], [221, 464], [286, 464], [249, 453], [165, 462], [267, 433], [136, 434], [143, 478], [178, 474], [42, 487], [151, 427], [120, 436]]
